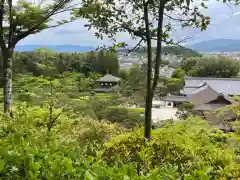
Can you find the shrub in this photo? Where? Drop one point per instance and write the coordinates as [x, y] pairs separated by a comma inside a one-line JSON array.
[[125, 117], [29, 151], [75, 149], [85, 131], [27, 97], [187, 150]]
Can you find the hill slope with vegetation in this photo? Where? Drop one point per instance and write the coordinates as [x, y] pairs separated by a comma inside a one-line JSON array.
[[172, 50]]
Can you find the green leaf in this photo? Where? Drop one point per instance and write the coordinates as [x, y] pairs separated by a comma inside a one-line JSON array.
[[88, 176], [2, 164]]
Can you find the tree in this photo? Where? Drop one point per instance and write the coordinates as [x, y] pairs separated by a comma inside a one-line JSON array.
[[16, 23], [174, 85], [123, 74], [188, 64], [178, 73], [142, 19], [212, 66], [135, 86]]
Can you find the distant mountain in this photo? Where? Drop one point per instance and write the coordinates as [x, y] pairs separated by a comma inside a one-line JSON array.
[[217, 45], [173, 50], [181, 51], [56, 48]]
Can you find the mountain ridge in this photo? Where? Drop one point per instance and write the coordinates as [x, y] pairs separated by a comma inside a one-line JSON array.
[[56, 48], [82, 49], [217, 45]]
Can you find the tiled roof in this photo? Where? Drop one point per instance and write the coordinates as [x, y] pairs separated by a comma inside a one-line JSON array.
[[175, 98], [108, 78], [207, 107], [207, 94], [229, 86], [202, 95]]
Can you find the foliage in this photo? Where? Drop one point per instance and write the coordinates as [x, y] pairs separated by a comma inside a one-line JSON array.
[[29, 151], [123, 74], [133, 88], [211, 66], [186, 150], [18, 21], [52, 64], [185, 110], [145, 21], [127, 118], [178, 73], [236, 98], [182, 51], [82, 148], [174, 85], [189, 63]]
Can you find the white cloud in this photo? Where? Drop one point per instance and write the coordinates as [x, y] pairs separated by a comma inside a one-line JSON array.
[[225, 23], [236, 14]]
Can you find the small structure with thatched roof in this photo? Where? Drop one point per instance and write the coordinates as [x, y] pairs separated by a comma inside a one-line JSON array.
[[107, 83]]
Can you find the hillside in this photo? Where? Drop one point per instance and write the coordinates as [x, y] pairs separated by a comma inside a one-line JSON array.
[[177, 50], [174, 50], [217, 45]]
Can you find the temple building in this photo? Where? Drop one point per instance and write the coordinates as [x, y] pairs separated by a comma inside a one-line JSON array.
[[206, 93], [107, 83]]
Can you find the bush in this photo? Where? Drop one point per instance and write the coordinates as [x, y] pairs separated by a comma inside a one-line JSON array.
[[187, 150], [185, 110], [85, 131], [27, 97], [79, 148], [125, 117], [29, 151], [78, 107]]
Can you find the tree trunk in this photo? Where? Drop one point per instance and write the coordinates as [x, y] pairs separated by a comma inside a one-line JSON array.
[[1, 70], [159, 46], [7, 80], [148, 105]]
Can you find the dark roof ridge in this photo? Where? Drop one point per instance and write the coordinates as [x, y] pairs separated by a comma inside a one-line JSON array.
[[211, 78]]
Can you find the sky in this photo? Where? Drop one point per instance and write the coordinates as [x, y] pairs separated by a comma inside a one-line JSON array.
[[225, 23]]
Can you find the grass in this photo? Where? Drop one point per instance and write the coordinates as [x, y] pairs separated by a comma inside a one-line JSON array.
[[138, 110]]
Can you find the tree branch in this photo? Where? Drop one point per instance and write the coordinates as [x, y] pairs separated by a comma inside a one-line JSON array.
[[135, 47], [177, 19], [55, 10], [11, 25]]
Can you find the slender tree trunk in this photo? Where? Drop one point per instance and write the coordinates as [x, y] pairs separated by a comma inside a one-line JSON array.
[[148, 105], [159, 46], [7, 80], [1, 70]]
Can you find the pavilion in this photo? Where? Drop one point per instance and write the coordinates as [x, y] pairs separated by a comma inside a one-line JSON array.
[[107, 83]]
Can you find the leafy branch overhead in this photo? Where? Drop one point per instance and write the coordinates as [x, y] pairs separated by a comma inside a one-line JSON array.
[[25, 18], [17, 21], [112, 16]]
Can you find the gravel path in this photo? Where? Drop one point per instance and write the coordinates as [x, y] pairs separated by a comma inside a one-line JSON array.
[[163, 113]]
